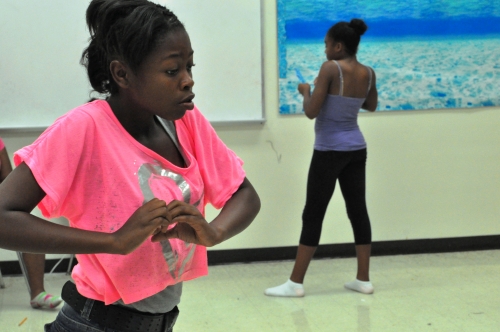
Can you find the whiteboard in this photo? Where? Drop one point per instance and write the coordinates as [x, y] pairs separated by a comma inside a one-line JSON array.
[[42, 42]]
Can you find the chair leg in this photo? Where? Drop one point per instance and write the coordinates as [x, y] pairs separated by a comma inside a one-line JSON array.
[[24, 270], [70, 264], [2, 284]]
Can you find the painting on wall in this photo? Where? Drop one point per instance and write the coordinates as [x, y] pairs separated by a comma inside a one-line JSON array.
[[427, 54]]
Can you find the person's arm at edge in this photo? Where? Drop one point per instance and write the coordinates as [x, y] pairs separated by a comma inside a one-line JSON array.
[[313, 102], [5, 165], [371, 101], [22, 231]]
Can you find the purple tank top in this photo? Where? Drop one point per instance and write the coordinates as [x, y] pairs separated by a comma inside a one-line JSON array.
[[336, 126]]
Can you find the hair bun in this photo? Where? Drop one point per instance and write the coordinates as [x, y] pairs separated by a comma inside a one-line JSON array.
[[358, 25]]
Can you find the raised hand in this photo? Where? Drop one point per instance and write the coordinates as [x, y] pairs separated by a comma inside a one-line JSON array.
[[304, 88]]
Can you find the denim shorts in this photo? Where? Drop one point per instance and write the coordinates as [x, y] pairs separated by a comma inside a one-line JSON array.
[[68, 320]]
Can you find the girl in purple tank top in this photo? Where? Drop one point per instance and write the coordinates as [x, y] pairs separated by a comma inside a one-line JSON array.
[[342, 87]]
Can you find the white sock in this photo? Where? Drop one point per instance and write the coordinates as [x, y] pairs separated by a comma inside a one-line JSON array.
[[365, 287], [288, 289]]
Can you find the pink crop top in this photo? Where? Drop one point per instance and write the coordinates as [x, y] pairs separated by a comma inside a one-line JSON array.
[[96, 175]]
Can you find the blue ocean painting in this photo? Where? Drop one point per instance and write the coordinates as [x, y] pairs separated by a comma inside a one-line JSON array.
[[426, 54]]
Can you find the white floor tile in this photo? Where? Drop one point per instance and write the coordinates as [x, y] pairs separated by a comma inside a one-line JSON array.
[[434, 292]]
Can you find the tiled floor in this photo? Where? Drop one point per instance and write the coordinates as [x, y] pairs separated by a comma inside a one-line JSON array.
[[435, 292]]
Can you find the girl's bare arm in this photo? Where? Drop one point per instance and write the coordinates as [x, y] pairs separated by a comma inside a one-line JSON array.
[[371, 101], [22, 231], [312, 103]]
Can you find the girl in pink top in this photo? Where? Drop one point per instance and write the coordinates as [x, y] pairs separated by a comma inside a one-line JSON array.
[[132, 174]]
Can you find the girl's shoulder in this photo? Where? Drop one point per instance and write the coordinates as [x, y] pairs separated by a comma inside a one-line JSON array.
[[368, 68], [330, 69], [78, 122], [330, 64], [195, 127], [90, 112], [194, 118]]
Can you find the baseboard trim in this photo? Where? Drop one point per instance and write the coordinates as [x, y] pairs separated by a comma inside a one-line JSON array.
[[345, 250], [340, 250]]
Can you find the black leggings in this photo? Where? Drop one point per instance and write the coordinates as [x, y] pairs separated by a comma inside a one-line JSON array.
[[326, 167]]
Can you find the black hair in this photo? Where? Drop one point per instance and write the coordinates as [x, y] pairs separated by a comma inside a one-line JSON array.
[[125, 30], [349, 33]]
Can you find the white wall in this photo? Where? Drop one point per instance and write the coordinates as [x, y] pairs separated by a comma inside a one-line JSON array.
[[430, 174]]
